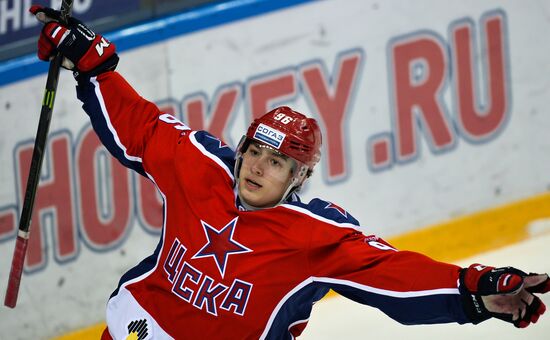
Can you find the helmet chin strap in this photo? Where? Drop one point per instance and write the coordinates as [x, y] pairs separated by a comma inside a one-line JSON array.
[[295, 183]]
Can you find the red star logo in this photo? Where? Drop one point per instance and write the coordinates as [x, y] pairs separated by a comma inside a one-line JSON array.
[[220, 244]]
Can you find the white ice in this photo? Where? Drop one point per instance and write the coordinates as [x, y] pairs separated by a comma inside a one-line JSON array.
[[339, 318]]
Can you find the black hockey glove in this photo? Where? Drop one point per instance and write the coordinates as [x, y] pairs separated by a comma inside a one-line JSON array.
[[85, 52], [504, 293]]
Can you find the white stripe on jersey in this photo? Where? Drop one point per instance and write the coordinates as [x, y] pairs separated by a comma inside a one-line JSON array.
[[294, 324], [385, 292], [281, 303], [104, 111], [321, 218]]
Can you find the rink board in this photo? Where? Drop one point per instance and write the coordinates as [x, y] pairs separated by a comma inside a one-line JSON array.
[[456, 139]]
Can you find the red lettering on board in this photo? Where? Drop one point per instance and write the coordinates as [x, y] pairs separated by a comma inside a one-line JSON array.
[[168, 107], [263, 91], [220, 110], [103, 223], [419, 68], [53, 198], [476, 122], [331, 102], [7, 222]]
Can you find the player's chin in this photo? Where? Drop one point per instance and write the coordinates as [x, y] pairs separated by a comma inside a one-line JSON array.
[[254, 198], [251, 197]]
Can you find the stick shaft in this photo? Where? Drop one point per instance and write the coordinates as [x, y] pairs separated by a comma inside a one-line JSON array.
[[20, 250]]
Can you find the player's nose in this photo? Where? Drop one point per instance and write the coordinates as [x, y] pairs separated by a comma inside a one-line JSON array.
[[257, 166]]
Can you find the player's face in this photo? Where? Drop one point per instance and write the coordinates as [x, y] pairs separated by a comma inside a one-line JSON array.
[[265, 175]]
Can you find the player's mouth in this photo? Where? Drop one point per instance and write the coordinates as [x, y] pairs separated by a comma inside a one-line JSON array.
[[251, 185]]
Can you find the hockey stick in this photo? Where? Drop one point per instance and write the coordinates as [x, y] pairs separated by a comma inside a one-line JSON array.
[[20, 250]]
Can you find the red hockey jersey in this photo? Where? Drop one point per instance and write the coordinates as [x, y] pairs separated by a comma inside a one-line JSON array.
[[221, 272]]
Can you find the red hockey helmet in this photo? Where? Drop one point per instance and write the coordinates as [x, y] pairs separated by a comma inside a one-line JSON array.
[[290, 133]]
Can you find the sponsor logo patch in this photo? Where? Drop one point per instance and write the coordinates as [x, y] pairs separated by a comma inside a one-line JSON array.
[[138, 330], [269, 136]]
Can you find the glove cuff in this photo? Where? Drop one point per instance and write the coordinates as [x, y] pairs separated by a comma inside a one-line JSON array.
[[472, 303], [108, 65]]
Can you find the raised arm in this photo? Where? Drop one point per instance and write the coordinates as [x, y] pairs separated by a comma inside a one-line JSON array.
[[131, 128]]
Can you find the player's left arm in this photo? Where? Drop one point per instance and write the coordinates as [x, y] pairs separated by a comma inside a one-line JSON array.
[[415, 289]]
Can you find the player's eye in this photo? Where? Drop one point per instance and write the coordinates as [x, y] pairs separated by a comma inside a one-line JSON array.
[[275, 162], [253, 151]]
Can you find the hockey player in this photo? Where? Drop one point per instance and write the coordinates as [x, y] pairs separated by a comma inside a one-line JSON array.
[[240, 255]]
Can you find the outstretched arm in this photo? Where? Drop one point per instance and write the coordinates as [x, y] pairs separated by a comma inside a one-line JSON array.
[[414, 289]]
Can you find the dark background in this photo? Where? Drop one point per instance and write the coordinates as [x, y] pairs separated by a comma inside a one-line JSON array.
[[19, 31]]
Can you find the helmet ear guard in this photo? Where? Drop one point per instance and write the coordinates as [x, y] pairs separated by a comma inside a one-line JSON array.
[[297, 180], [243, 145]]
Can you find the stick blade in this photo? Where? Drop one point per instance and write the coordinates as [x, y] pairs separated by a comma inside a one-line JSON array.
[[16, 271]]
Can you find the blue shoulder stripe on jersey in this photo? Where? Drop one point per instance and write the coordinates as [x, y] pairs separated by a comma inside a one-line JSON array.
[[217, 147], [86, 94], [327, 210]]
